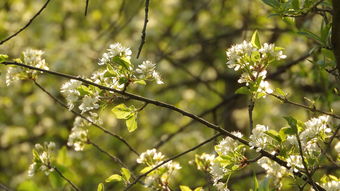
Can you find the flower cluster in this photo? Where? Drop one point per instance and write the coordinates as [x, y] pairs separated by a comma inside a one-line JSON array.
[[204, 161], [159, 178], [42, 159], [79, 134], [71, 93], [252, 59], [230, 157], [115, 50], [29, 57], [259, 138], [273, 170], [147, 71]]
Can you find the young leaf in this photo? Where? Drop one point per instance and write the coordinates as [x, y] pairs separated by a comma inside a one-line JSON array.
[[114, 177], [100, 187], [126, 174], [121, 111], [198, 189], [243, 90], [146, 169], [255, 40], [131, 123], [272, 3], [292, 123], [274, 134], [3, 57], [256, 183], [185, 188]]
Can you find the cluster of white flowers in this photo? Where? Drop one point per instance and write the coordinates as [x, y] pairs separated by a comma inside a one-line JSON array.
[[42, 158], [259, 138], [316, 127], [147, 71], [204, 161], [89, 102], [70, 91], [30, 57], [115, 50], [159, 178], [253, 61], [79, 134], [295, 162], [273, 170], [333, 185], [101, 78], [230, 158]]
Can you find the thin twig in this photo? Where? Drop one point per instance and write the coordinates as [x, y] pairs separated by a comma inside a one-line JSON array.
[[29, 22], [146, 20], [309, 176], [86, 7], [171, 107], [285, 100], [255, 159], [250, 112], [4, 187], [114, 158], [85, 118], [68, 180], [170, 159]]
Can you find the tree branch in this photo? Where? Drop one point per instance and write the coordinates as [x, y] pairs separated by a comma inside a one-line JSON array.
[[85, 118], [68, 180], [171, 107], [146, 20], [29, 22]]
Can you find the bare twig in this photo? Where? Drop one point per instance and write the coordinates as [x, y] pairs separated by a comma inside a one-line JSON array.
[[29, 22], [85, 118], [285, 100], [86, 7], [114, 158], [171, 107], [170, 159], [68, 180], [146, 20], [250, 112]]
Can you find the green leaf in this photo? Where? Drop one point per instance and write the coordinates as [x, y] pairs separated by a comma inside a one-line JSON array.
[[121, 111], [126, 174], [312, 36], [122, 61], [84, 90], [114, 177], [146, 169], [131, 123], [274, 134], [243, 90], [292, 123], [141, 82], [198, 189], [185, 188], [123, 80], [3, 57], [280, 92], [100, 187], [256, 183], [272, 3], [296, 4], [255, 40]]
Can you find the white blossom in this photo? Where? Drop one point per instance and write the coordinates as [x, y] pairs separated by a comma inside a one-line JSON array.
[[89, 102], [258, 138], [115, 50], [295, 162], [273, 170], [78, 138], [70, 92], [42, 158], [315, 127], [150, 156], [34, 58], [331, 185], [228, 144]]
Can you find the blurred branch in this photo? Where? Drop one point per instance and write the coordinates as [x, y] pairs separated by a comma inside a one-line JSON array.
[[146, 20], [85, 118], [313, 109], [4, 187], [29, 22], [114, 158], [68, 180], [171, 107], [86, 7], [336, 32]]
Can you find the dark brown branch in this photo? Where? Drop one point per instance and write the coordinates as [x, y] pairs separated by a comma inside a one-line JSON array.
[[68, 180], [29, 22], [336, 32], [172, 158], [86, 7], [171, 107], [146, 20], [85, 118]]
